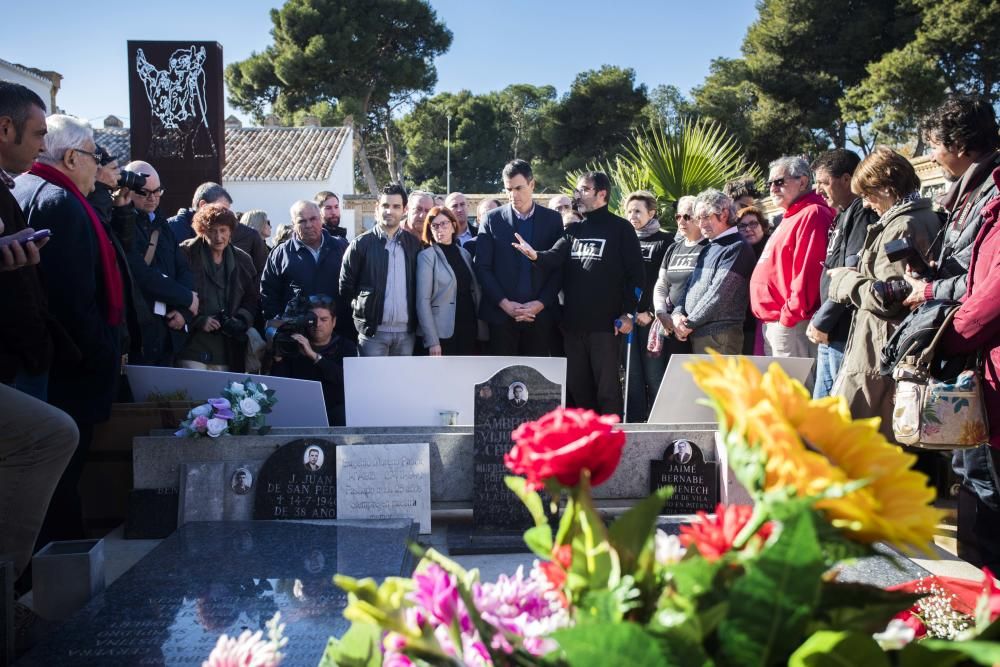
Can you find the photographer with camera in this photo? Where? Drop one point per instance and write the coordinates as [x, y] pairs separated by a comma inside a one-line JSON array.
[[887, 184], [320, 356], [226, 281]]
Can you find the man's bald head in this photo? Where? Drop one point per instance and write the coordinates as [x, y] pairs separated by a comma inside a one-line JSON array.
[[149, 199]]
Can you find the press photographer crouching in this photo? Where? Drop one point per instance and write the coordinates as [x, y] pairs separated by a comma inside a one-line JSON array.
[[320, 356], [226, 282]]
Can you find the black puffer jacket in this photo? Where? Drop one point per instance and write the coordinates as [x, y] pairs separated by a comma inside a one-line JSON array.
[[915, 333]]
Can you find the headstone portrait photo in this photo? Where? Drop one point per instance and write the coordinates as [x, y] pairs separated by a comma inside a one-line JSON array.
[[242, 482], [313, 460]]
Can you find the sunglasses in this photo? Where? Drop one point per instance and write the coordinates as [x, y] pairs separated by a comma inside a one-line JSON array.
[[685, 217], [777, 183]]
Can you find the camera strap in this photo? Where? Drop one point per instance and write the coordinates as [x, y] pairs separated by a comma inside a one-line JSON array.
[[154, 238]]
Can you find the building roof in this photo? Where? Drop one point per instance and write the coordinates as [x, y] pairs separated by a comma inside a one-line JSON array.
[[31, 71], [261, 153]]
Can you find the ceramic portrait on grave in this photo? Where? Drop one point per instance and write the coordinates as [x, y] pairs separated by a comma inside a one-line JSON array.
[[242, 481], [313, 459], [680, 451], [517, 394]]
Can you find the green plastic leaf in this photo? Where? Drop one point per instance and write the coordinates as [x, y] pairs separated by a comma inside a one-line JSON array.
[[859, 607], [531, 500], [771, 603], [609, 643], [539, 540], [980, 652], [919, 654], [693, 577], [839, 649], [359, 647], [632, 531]]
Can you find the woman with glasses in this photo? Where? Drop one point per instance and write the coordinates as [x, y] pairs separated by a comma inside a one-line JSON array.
[[887, 183], [755, 230], [226, 282], [447, 291], [257, 220], [645, 368], [677, 266]]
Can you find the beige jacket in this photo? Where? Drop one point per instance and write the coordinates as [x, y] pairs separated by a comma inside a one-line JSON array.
[[868, 393]]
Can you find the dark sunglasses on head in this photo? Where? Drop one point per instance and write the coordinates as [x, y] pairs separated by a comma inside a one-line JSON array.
[[320, 300]]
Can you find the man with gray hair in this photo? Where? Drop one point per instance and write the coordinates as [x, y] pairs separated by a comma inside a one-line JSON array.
[[306, 264], [456, 202], [161, 272], [418, 205], [714, 302], [85, 294], [785, 286], [206, 193]]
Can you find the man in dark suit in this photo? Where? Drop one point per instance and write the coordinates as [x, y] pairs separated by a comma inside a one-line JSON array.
[[520, 301]]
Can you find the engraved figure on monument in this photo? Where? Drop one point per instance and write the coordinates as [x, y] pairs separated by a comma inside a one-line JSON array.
[[177, 104]]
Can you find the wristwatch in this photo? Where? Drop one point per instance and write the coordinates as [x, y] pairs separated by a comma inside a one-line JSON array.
[[318, 358]]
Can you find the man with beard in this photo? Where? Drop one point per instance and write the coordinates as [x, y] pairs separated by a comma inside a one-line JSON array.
[[329, 209]]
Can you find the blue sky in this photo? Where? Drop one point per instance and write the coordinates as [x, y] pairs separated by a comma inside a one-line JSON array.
[[666, 42]]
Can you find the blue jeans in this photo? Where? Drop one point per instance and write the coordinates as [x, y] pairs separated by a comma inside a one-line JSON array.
[[829, 359], [386, 344]]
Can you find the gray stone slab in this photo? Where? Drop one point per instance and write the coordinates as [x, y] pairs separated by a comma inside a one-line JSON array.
[[200, 497], [212, 578], [385, 482], [156, 460]]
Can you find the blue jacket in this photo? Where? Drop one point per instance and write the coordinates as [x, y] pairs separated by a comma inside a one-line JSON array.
[[497, 263], [180, 225], [291, 269]]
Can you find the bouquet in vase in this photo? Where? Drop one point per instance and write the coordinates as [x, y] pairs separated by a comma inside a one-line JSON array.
[[239, 411]]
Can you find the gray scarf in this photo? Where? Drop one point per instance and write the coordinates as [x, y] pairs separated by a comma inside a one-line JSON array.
[[649, 229]]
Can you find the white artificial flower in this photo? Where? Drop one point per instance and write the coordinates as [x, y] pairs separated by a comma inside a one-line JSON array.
[[895, 636], [263, 387], [667, 548], [237, 388], [249, 407], [216, 427]]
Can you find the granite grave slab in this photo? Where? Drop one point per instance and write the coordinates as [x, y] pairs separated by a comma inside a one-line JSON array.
[[6, 612], [299, 481], [212, 578], [152, 513], [385, 482]]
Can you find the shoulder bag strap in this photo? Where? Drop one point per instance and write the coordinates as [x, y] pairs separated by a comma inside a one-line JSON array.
[[151, 248]]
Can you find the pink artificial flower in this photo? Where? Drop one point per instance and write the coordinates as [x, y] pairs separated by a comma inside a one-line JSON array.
[[200, 424], [437, 594], [912, 620], [248, 650], [396, 660]]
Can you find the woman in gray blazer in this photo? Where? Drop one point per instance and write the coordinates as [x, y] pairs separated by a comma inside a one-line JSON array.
[[447, 291]]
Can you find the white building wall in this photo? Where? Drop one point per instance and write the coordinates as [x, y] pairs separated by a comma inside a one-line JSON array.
[[39, 86]]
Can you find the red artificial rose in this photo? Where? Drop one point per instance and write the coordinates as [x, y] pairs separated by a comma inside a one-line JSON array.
[[564, 442], [715, 536], [555, 569], [992, 594]]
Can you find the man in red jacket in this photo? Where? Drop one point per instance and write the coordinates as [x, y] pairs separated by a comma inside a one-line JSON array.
[[784, 288]]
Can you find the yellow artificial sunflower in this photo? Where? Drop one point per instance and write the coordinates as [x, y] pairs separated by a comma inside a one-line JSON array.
[[812, 444]]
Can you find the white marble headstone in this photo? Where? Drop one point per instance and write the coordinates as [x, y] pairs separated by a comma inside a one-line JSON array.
[[385, 482]]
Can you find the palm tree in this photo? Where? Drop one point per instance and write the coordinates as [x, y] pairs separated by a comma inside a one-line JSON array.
[[672, 162]]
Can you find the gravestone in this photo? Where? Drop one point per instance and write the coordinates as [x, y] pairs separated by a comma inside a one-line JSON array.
[[385, 482], [152, 513], [217, 491], [213, 578], [176, 109], [695, 481], [513, 396], [298, 481]]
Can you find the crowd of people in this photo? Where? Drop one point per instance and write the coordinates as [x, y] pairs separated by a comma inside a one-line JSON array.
[[115, 280]]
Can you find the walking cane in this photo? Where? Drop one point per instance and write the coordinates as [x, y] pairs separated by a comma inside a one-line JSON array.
[[628, 352]]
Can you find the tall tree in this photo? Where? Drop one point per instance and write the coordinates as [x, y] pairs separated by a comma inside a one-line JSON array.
[[591, 122], [368, 56], [523, 105], [480, 142], [668, 106], [954, 49]]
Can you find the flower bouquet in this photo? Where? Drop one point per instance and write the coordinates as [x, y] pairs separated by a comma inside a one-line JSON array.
[[754, 585], [240, 410]]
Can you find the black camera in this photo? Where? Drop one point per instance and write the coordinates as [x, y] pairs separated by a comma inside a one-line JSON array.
[[131, 180], [891, 291], [232, 327], [284, 344], [902, 250]]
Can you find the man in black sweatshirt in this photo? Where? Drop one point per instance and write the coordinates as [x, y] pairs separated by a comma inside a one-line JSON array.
[[602, 268]]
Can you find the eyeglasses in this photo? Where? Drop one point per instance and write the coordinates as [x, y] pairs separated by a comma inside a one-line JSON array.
[[709, 216], [685, 217], [151, 193], [441, 225], [745, 226], [776, 183], [584, 189], [96, 156]]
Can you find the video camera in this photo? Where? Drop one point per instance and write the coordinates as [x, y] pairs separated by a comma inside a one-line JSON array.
[[297, 319]]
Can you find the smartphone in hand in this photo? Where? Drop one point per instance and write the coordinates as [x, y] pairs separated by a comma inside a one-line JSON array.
[[25, 236]]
